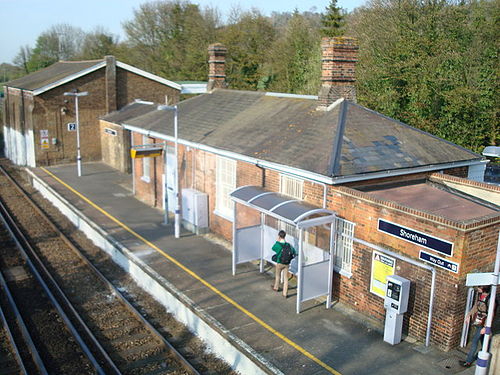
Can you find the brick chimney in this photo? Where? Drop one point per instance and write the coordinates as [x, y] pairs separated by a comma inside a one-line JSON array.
[[339, 56], [111, 103], [217, 67]]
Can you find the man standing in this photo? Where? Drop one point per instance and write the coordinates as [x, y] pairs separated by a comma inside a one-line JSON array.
[[478, 313], [284, 254]]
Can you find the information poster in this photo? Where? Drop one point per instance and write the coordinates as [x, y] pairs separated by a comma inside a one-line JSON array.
[[382, 266], [44, 139]]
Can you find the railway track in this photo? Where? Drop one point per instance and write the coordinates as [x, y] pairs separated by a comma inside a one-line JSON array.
[[39, 336], [120, 338]]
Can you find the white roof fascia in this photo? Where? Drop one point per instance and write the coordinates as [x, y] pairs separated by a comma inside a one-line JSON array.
[[292, 96], [70, 78], [194, 88], [300, 172], [233, 155], [153, 77], [399, 172]]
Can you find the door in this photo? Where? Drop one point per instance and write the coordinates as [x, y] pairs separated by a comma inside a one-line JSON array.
[[170, 156]]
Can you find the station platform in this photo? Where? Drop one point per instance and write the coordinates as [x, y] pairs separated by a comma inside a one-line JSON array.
[[242, 309]]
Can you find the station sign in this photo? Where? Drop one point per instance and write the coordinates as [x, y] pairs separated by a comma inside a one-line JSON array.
[[413, 236], [110, 131], [71, 127], [137, 153], [439, 262]]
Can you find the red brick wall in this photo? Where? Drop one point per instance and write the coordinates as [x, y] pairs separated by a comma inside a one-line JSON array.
[[474, 246], [52, 111], [131, 86]]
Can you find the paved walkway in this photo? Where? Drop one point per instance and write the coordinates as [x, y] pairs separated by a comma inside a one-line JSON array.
[[317, 341]]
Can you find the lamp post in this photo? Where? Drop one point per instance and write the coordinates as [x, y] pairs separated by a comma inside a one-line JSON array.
[[78, 156], [177, 225]]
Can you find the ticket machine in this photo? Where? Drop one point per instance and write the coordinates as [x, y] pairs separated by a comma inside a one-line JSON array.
[[396, 304]]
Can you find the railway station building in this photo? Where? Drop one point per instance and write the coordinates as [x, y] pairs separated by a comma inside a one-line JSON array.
[[405, 202], [39, 120]]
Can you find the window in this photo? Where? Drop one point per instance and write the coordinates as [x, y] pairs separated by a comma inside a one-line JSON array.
[[293, 187], [343, 245], [146, 176], [225, 184]]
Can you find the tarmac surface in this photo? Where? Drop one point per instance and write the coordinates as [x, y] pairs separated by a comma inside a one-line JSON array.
[[316, 341]]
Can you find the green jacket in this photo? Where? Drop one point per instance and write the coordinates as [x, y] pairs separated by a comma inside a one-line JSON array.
[[278, 247]]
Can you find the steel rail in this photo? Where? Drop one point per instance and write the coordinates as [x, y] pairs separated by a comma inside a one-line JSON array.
[[19, 238], [184, 362], [22, 327]]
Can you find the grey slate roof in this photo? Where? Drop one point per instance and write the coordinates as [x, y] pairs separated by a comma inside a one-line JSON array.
[[130, 111], [346, 141], [51, 74]]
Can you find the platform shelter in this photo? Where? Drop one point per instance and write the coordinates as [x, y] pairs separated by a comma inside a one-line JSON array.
[[259, 214]]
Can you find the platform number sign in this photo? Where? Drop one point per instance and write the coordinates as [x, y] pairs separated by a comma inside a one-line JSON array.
[[72, 127]]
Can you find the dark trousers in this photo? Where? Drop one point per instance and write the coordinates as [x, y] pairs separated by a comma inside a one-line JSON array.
[[472, 355]]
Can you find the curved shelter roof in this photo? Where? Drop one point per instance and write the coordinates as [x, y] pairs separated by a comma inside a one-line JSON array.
[[280, 206]]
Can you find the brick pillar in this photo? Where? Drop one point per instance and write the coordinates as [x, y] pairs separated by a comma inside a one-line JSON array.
[[217, 67], [111, 104], [338, 62]]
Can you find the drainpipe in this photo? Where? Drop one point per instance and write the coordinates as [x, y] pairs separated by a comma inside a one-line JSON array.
[[431, 305]]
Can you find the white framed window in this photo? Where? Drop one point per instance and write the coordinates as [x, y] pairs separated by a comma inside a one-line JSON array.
[[294, 188], [344, 232], [225, 184], [146, 162]]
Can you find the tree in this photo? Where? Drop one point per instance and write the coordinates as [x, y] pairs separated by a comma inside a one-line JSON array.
[[333, 20], [432, 64], [248, 38], [170, 38], [98, 44], [60, 42], [295, 64], [22, 58]]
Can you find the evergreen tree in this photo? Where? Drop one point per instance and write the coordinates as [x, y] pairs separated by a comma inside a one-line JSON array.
[[333, 20]]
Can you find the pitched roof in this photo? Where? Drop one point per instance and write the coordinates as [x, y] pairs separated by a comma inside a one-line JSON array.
[[65, 71], [54, 73], [130, 111], [348, 140]]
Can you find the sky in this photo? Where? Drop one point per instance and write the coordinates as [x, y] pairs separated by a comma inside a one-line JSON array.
[[24, 20]]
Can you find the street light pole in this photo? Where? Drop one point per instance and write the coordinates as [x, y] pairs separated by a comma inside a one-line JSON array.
[[78, 156], [177, 225]]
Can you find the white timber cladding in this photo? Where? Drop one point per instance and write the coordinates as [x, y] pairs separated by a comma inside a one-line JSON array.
[[146, 176], [343, 245], [225, 184], [294, 188]]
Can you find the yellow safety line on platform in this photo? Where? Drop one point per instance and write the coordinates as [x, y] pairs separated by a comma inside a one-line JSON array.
[[199, 278]]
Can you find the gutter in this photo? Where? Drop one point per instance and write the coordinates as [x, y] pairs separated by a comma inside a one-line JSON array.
[[315, 177]]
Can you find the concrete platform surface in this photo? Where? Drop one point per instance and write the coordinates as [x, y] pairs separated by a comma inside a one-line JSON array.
[[316, 341]]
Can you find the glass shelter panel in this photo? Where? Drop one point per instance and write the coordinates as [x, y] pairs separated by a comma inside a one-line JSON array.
[[248, 233]]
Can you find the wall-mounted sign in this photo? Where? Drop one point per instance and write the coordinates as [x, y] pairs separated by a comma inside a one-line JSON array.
[[382, 266], [71, 127], [44, 139], [410, 235], [110, 131], [437, 261]]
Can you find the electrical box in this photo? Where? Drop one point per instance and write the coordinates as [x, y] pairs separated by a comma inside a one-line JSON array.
[[195, 210], [397, 293]]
